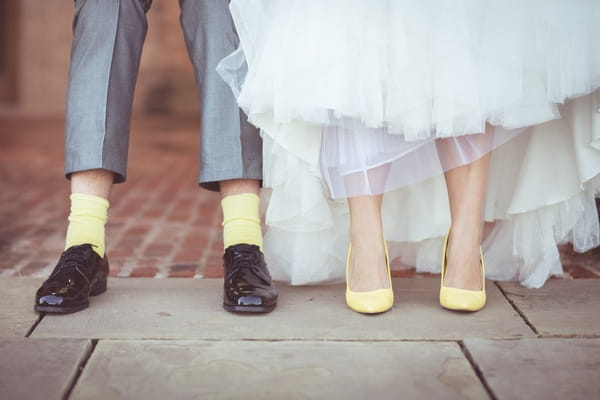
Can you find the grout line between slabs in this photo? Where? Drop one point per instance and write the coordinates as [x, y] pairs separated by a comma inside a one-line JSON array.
[[521, 313], [84, 360], [570, 336], [274, 340], [35, 324], [477, 370]]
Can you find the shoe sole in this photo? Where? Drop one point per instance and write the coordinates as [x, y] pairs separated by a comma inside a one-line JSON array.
[[61, 310], [462, 309], [249, 309], [97, 289]]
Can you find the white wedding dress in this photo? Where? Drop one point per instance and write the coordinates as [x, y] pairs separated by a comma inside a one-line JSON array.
[[361, 97]]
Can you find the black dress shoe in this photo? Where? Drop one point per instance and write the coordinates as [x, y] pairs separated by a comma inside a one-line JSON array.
[[248, 286], [80, 273]]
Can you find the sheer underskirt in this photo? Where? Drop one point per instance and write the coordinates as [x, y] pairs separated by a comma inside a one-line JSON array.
[[541, 193]]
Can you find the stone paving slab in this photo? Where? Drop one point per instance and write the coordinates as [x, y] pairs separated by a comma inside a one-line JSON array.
[[16, 306], [277, 370], [191, 309], [539, 368], [561, 307], [39, 368]]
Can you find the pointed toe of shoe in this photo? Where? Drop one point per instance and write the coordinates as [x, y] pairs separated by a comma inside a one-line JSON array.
[[372, 302], [461, 299]]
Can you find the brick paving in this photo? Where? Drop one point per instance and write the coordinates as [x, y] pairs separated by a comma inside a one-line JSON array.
[[161, 224]]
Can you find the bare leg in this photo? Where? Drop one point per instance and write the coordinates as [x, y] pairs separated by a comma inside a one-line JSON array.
[[367, 270], [97, 182], [239, 186], [466, 193]]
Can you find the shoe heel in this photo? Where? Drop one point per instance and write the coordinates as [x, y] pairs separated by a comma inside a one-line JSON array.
[[99, 287]]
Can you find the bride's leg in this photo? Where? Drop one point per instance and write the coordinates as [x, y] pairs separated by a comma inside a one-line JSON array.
[[466, 193], [367, 270]]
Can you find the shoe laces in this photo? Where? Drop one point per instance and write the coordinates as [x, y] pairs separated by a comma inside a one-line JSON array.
[[245, 259], [72, 259]]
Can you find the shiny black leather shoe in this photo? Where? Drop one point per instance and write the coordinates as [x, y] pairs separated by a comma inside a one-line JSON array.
[[80, 273], [248, 286]]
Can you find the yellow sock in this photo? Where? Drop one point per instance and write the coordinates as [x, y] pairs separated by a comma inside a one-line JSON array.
[[241, 220], [86, 221]]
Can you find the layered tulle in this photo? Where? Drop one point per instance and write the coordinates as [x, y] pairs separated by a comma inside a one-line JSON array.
[[358, 97], [417, 66]]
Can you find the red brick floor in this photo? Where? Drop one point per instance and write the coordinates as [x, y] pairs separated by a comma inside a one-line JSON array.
[[161, 224]]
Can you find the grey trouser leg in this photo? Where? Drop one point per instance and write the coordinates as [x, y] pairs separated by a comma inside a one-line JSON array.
[[108, 36], [231, 148]]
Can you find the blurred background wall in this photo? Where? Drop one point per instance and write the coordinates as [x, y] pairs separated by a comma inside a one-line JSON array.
[[35, 41]]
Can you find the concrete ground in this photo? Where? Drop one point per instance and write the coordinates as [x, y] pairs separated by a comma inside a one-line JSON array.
[[157, 338]]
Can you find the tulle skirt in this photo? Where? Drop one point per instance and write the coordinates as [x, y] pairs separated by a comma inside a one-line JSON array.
[[357, 97]]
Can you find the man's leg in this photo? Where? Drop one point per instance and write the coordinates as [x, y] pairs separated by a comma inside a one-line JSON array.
[[107, 42], [231, 157]]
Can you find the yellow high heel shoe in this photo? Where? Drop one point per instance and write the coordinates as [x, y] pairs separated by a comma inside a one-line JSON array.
[[461, 299], [372, 301]]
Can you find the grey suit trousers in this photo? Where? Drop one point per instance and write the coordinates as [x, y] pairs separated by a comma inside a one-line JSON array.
[[108, 36]]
